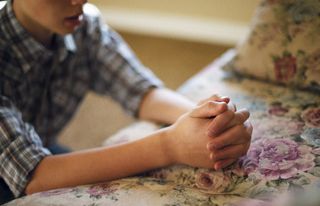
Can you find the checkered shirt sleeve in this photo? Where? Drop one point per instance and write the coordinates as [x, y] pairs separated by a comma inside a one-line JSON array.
[[117, 71], [20, 148]]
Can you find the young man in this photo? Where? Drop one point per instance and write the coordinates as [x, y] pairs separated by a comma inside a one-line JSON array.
[[51, 53]]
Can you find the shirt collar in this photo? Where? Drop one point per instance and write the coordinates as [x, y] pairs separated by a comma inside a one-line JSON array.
[[29, 51]]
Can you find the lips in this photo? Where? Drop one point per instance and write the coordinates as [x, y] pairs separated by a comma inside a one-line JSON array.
[[76, 16], [73, 21]]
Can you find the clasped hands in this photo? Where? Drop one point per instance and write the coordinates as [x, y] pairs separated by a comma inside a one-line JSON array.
[[213, 135]]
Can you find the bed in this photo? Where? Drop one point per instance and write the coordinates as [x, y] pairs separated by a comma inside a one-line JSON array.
[[284, 154]]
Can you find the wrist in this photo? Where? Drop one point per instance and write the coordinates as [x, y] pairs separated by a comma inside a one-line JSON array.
[[169, 145]]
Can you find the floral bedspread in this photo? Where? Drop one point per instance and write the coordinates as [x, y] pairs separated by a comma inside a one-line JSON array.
[[284, 154]]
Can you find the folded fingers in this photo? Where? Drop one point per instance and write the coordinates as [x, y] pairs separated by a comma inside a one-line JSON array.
[[239, 118], [230, 152], [227, 120], [239, 134]]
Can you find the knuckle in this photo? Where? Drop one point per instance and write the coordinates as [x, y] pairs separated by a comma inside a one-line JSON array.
[[239, 128], [201, 102], [243, 116], [194, 112], [223, 106], [211, 104], [230, 114]]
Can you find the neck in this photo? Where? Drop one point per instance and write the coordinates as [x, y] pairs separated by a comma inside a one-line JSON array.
[[42, 35]]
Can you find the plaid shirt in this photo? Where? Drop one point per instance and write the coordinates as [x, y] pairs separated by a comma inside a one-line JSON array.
[[41, 89]]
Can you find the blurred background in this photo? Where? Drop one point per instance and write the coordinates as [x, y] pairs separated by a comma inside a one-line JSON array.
[[175, 38]]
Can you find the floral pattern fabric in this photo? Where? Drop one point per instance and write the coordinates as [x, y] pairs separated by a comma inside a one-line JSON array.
[[284, 154], [284, 40]]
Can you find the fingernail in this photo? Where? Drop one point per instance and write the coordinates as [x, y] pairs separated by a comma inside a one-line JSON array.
[[211, 156], [223, 106], [208, 146], [217, 166], [227, 99], [214, 156], [211, 147]]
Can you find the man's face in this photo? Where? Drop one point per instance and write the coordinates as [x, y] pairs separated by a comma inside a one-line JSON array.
[[58, 16]]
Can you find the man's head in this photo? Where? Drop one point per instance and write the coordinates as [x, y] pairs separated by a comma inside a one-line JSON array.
[[42, 17]]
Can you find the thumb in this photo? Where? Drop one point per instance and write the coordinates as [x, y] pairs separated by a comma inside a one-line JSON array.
[[208, 109], [216, 98]]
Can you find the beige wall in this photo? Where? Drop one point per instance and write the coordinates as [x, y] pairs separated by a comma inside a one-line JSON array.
[[223, 22], [228, 10]]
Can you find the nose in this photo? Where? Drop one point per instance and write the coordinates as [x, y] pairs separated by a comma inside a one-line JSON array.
[[78, 2]]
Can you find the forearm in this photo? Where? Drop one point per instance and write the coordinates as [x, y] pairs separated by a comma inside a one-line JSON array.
[[102, 164], [164, 105]]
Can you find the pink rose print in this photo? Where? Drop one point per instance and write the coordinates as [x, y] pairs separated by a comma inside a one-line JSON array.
[[212, 181], [102, 189], [285, 67], [311, 117], [275, 126], [273, 159]]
